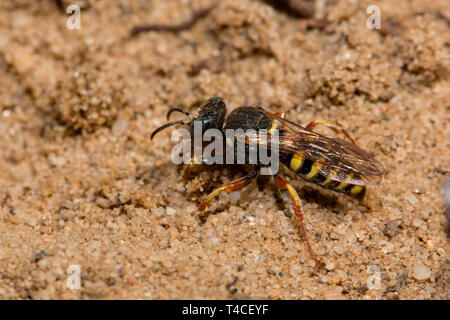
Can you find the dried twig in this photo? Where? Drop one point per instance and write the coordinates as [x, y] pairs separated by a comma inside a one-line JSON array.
[[196, 16], [316, 16], [300, 8], [63, 4]]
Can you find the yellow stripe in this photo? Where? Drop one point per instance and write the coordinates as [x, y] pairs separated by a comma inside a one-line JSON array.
[[314, 171], [273, 128], [342, 185], [357, 189], [329, 178], [296, 162]]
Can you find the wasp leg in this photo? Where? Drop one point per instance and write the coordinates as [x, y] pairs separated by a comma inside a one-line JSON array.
[[300, 217], [186, 169], [228, 187], [281, 114], [333, 125]]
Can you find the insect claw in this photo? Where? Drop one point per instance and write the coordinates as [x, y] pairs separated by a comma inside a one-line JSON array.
[[202, 217], [319, 263]]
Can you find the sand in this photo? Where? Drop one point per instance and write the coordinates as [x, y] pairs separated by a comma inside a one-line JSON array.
[[82, 187]]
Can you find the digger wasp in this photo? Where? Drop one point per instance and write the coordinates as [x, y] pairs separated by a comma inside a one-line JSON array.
[[333, 163]]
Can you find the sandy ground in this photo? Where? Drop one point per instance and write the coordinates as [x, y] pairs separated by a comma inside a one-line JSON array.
[[82, 186]]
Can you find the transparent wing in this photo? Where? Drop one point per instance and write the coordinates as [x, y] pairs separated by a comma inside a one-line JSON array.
[[337, 159]]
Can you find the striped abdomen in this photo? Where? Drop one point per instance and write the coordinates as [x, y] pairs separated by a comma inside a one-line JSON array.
[[307, 170]]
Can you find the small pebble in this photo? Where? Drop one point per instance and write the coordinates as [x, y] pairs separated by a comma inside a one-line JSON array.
[[191, 208], [338, 250], [388, 248], [103, 202], [412, 199], [159, 211], [170, 211], [390, 228], [417, 222], [334, 236], [330, 266], [120, 127], [181, 187], [57, 161], [360, 235], [421, 272], [42, 263], [430, 245]]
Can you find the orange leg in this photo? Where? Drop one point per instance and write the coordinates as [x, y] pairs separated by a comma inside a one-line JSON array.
[[186, 171], [333, 125], [300, 217], [281, 114], [228, 187]]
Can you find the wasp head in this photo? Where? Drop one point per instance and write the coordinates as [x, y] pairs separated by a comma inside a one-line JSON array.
[[210, 115]]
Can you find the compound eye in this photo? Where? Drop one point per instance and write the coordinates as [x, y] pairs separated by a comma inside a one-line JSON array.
[[215, 99]]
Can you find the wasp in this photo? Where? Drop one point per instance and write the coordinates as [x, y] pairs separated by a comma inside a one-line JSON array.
[[330, 162]]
